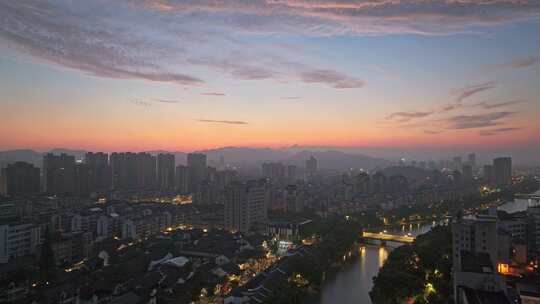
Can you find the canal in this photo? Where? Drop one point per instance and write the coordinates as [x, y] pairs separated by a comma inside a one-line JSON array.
[[353, 282]]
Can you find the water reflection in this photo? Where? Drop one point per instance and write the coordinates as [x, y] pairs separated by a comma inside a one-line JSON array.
[[383, 255], [352, 284]]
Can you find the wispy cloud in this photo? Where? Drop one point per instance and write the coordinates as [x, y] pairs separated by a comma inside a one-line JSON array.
[[213, 94], [291, 97], [476, 121], [167, 100], [433, 132], [495, 105], [141, 103], [171, 41], [407, 116], [472, 90], [228, 122], [360, 17], [497, 131], [333, 78], [521, 63]]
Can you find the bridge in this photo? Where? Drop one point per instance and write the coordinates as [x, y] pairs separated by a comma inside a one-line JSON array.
[[384, 236]]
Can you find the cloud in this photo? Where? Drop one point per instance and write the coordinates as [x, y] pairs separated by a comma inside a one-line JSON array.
[[141, 103], [213, 94], [407, 116], [490, 106], [171, 41], [167, 100], [56, 32], [521, 63], [497, 131], [291, 97], [333, 78], [433, 132], [228, 122], [472, 90], [355, 17], [476, 121]]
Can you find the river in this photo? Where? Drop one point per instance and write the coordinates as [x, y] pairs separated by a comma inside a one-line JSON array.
[[353, 282]]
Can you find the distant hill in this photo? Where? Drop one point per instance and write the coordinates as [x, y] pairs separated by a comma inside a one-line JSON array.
[[242, 155], [338, 160], [180, 157], [411, 173], [79, 154], [29, 156], [34, 157]]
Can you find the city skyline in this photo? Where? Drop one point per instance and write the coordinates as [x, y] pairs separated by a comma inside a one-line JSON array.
[[142, 76]]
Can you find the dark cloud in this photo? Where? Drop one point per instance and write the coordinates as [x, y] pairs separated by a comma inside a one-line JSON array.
[[469, 91], [228, 122], [477, 121], [497, 131], [213, 94]]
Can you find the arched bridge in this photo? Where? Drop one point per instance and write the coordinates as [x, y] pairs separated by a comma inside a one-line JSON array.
[[385, 236]]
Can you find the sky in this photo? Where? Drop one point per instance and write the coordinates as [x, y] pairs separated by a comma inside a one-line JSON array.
[[198, 74]]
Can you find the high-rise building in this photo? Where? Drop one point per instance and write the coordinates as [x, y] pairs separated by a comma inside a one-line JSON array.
[[221, 164], [274, 171], [225, 177], [457, 163], [133, 170], [477, 249], [206, 193], [467, 173], [502, 168], [59, 176], [488, 173], [291, 172], [19, 178], [146, 171], [165, 171], [124, 170], [100, 173], [294, 199], [196, 163], [18, 240], [471, 160], [182, 179], [246, 206], [311, 165]]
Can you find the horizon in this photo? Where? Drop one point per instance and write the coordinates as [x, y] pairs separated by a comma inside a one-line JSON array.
[[520, 158]]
